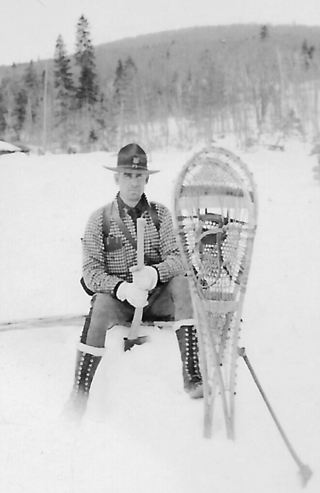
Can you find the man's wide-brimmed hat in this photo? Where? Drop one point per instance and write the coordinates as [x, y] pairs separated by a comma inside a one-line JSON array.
[[132, 158]]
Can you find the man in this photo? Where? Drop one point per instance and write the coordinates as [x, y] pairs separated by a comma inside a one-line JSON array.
[[110, 275]]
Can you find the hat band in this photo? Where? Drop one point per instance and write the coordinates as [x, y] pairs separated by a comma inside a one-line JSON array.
[[132, 167]]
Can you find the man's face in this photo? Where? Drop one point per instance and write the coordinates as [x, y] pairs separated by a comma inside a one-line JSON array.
[[131, 186]]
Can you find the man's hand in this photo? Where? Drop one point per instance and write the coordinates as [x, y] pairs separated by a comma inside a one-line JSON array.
[[136, 296], [145, 278]]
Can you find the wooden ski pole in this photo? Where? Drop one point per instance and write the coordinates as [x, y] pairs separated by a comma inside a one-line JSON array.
[[304, 469], [133, 336]]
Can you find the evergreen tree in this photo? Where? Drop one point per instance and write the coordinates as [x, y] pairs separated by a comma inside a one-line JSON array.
[[32, 86], [104, 114], [87, 92], [10, 87], [126, 104], [20, 111], [118, 85], [264, 33], [118, 99], [63, 83], [129, 81], [307, 54]]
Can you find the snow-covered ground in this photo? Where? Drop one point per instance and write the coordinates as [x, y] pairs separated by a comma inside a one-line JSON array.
[[142, 433]]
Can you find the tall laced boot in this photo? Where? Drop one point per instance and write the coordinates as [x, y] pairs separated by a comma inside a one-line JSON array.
[[188, 345], [87, 361]]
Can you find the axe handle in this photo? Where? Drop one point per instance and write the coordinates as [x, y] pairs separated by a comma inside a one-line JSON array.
[[135, 325]]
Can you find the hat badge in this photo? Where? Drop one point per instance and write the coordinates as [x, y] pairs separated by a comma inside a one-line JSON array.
[[135, 161]]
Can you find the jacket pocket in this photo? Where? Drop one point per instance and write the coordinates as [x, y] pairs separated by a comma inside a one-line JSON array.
[[111, 243], [115, 258]]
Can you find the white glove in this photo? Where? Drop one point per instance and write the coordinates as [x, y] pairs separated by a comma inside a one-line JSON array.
[[133, 294], [145, 278]]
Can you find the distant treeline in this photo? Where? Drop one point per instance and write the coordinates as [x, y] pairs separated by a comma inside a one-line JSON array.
[[173, 88]]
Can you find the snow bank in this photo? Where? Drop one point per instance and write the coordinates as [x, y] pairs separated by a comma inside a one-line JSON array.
[[142, 433]]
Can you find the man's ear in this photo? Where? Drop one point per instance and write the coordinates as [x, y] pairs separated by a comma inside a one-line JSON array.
[[147, 178], [116, 178]]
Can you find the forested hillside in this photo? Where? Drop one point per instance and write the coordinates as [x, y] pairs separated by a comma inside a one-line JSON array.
[[173, 88]]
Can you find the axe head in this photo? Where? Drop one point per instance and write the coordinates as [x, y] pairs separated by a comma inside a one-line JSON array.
[[129, 343]]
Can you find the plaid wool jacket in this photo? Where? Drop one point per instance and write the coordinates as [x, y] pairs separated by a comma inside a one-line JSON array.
[[106, 261]]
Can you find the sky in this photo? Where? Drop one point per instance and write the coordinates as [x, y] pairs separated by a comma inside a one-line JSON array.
[[29, 28]]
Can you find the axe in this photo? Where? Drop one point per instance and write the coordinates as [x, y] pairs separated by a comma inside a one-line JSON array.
[[133, 336]]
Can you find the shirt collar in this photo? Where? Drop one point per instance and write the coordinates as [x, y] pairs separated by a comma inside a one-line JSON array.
[[141, 207]]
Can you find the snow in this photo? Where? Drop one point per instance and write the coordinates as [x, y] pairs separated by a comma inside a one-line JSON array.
[[141, 432]]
